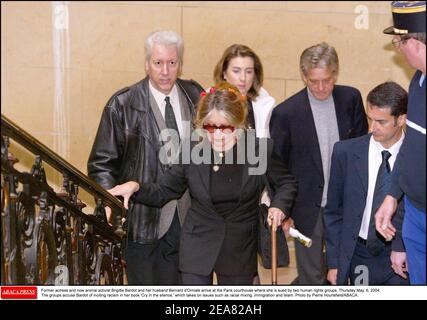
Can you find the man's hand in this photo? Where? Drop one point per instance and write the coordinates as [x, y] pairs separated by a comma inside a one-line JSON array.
[[125, 190], [286, 225], [275, 216], [398, 263], [332, 276], [383, 218]]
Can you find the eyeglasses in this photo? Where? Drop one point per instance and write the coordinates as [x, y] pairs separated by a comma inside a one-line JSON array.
[[396, 41], [225, 129]]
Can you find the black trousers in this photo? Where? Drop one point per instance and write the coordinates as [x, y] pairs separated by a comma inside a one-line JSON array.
[[366, 269], [154, 264], [311, 262]]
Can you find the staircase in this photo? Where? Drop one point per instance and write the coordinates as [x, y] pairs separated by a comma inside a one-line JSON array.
[[46, 238]]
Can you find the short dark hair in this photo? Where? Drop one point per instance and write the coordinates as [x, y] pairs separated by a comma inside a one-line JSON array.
[[389, 95]]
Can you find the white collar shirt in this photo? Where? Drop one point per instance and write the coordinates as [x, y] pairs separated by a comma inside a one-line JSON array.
[[174, 100], [375, 159]]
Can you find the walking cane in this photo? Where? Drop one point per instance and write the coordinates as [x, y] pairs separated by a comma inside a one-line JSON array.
[[273, 256]]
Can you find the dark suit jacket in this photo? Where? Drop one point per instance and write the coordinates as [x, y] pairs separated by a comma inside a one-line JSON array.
[[209, 241], [347, 191], [295, 139]]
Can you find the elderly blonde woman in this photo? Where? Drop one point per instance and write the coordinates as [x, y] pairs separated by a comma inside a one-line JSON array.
[[220, 230]]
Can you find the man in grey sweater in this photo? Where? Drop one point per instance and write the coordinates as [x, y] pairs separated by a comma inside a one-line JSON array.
[[305, 128]]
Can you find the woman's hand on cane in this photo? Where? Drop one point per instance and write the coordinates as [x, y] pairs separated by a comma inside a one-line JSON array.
[[275, 216]]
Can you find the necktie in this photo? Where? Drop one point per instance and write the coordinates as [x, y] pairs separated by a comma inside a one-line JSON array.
[[170, 116], [375, 243]]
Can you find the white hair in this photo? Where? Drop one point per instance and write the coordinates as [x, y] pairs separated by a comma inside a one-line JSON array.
[[166, 38]]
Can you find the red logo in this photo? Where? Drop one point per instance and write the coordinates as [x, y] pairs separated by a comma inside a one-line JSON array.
[[19, 292]]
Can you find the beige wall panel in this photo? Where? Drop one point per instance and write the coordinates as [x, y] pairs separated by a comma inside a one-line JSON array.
[[111, 36], [400, 72], [364, 89], [276, 88], [97, 88], [80, 146], [77, 110], [245, 5], [205, 46], [382, 7], [147, 3], [292, 87], [268, 35], [27, 98], [26, 33], [355, 48], [366, 55]]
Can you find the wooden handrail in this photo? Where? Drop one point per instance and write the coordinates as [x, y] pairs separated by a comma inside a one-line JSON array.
[[9, 128], [44, 231]]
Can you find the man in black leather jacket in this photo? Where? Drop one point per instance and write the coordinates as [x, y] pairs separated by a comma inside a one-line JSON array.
[[127, 147]]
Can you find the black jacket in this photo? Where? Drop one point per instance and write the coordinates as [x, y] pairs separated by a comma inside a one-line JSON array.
[[295, 139], [126, 148], [209, 241]]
